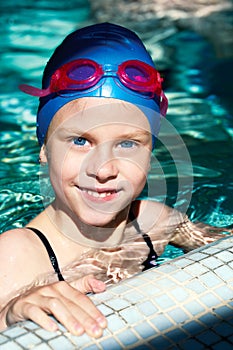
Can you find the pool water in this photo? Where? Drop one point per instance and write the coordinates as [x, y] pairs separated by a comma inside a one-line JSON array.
[[193, 163]]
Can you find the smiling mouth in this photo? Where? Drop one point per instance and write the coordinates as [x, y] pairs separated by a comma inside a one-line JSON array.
[[99, 194]]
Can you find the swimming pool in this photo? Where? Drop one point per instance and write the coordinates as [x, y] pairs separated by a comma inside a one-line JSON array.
[[203, 118]]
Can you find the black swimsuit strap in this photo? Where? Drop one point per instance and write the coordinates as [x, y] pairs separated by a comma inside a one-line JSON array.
[[152, 256], [50, 251], [148, 263]]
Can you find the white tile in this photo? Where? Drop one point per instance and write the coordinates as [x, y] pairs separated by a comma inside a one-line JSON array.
[[115, 323], [127, 338], [117, 304], [131, 315], [28, 340], [161, 322]]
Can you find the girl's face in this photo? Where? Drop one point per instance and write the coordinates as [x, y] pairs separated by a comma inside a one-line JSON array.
[[98, 151]]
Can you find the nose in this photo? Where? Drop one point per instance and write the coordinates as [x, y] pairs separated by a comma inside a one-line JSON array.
[[101, 164]]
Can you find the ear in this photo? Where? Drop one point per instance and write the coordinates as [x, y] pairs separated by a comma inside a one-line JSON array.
[[43, 155]]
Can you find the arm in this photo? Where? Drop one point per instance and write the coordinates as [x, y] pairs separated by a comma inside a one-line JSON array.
[[69, 305], [169, 226], [189, 236], [22, 297]]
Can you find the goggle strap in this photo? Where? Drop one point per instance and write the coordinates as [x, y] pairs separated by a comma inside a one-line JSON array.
[[34, 91], [163, 104]]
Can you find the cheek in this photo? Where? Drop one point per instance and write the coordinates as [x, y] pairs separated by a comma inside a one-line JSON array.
[[63, 166], [139, 164], [135, 171], [138, 182]]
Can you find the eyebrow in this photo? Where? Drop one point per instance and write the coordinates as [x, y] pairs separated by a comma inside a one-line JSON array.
[[138, 133], [130, 135], [72, 130]]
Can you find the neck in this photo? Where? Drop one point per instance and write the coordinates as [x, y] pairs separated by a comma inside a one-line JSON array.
[[109, 235]]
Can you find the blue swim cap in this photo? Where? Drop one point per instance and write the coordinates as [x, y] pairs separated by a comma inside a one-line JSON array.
[[103, 43]]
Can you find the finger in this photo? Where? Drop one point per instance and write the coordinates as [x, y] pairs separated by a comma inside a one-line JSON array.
[[88, 284], [61, 309], [84, 303], [97, 286], [39, 306], [73, 317], [37, 315]]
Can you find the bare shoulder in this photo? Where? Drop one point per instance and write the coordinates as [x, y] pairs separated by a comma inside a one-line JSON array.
[[15, 242], [152, 214], [21, 260], [154, 207], [17, 246]]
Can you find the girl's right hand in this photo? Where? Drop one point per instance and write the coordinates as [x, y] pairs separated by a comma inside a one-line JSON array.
[[67, 303]]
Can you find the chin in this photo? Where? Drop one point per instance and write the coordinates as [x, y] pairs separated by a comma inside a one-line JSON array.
[[100, 220]]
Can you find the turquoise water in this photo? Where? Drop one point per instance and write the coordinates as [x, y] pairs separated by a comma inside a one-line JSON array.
[[200, 112]]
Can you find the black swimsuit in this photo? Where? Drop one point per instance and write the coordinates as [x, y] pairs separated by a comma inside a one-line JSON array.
[[152, 258], [50, 251], [148, 263]]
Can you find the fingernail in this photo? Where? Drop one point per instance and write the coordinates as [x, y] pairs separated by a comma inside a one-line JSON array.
[[78, 329], [102, 322], [97, 331], [53, 326], [98, 285]]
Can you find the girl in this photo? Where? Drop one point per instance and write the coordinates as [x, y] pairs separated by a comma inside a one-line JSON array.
[[98, 119]]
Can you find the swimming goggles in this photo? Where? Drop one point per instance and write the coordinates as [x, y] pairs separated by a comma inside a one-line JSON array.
[[83, 74]]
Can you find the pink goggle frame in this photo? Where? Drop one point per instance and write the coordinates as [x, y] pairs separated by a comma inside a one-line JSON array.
[[82, 74]]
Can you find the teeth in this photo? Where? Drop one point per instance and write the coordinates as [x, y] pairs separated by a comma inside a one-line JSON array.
[[99, 195]]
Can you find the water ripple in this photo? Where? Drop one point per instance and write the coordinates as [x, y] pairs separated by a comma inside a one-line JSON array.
[[31, 30]]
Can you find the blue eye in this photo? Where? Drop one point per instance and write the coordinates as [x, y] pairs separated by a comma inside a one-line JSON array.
[[127, 144], [79, 141]]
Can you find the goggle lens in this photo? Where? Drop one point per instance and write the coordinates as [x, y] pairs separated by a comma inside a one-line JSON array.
[[76, 75], [136, 74], [81, 72]]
